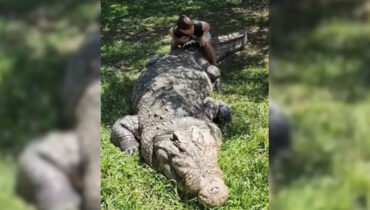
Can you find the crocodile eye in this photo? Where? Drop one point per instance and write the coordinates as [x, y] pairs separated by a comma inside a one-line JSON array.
[[174, 137], [177, 143]]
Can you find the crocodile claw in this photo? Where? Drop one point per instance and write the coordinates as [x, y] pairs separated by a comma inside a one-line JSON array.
[[218, 84], [131, 150]]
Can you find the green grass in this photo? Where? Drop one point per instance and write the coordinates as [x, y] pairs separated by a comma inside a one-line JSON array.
[[321, 77], [8, 199], [131, 33]]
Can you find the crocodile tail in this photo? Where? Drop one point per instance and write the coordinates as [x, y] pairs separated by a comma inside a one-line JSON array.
[[228, 44]]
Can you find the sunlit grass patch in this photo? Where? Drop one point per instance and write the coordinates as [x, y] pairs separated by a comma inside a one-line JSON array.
[[8, 197]]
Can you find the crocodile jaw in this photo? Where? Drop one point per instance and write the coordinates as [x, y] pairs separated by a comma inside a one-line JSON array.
[[214, 192]]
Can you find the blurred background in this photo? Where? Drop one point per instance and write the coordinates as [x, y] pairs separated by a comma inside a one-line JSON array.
[[320, 77], [37, 39]]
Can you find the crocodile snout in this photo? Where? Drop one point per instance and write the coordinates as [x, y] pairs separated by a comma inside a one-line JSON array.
[[213, 192]]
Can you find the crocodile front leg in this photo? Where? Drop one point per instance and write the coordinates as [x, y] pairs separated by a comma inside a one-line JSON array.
[[50, 174], [218, 111], [124, 132], [214, 74]]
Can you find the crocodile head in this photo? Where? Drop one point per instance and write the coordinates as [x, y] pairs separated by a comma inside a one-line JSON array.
[[189, 155]]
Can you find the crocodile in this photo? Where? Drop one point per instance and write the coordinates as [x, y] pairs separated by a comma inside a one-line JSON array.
[[176, 123]]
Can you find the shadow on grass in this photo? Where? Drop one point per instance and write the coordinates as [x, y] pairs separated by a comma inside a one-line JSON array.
[[116, 99], [124, 23], [141, 17], [251, 84]]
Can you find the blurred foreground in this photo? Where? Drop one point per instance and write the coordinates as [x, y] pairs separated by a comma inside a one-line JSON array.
[[38, 40], [320, 77]]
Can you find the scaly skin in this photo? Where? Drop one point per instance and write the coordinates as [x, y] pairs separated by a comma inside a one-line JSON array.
[[175, 118]]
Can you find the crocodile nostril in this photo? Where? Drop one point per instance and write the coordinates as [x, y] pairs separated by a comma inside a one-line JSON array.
[[214, 190]]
